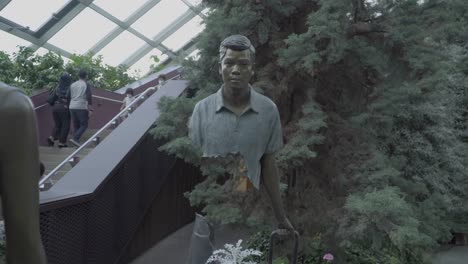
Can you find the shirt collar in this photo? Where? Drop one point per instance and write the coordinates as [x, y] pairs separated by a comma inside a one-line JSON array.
[[253, 104]]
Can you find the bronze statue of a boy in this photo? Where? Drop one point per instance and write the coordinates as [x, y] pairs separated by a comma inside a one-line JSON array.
[[249, 120], [237, 119]]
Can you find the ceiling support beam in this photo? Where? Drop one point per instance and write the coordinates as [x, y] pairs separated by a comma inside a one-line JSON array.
[[60, 19], [196, 9], [4, 3], [159, 38], [121, 25], [63, 21], [20, 33]]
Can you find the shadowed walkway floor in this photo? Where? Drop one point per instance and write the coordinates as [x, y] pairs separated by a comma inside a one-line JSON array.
[[174, 248], [454, 255]]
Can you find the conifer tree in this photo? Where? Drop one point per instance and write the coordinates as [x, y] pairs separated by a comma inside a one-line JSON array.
[[373, 101]]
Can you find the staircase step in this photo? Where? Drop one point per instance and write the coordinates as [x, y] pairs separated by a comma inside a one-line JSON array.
[[55, 150], [51, 157], [89, 133]]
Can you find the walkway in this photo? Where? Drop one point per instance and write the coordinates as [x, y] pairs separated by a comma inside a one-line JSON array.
[[453, 255], [174, 248]]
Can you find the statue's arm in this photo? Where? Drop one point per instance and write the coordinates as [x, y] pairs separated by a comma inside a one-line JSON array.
[[19, 175], [271, 182], [270, 174]]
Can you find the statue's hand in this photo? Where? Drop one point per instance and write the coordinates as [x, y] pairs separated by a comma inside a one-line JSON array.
[[285, 224]]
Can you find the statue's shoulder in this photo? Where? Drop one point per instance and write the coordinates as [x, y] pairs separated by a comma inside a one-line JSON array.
[[262, 101], [6, 89], [14, 98], [208, 101]]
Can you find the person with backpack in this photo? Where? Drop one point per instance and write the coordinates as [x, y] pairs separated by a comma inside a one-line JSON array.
[[59, 99]]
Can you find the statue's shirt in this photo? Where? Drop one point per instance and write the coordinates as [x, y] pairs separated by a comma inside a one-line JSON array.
[[218, 131]]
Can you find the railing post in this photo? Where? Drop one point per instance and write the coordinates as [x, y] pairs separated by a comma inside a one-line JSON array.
[[114, 124], [96, 140], [73, 161]]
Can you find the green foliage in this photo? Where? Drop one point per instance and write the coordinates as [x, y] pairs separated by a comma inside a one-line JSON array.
[[382, 214], [314, 248], [31, 71], [173, 121], [299, 149], [261, 242], [324, 40], [155, 61], [217, 193], [182, 148], [357, 254], [101, 75], [6, 68], [373, 97]]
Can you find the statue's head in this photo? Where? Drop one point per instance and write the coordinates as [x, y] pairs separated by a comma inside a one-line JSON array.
[[236, 60], [237, 43]]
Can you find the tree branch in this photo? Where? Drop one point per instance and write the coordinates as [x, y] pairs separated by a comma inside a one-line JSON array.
[[360, 10], [362, 28]]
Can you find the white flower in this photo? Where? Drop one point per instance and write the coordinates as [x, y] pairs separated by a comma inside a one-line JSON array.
[[233, 255]]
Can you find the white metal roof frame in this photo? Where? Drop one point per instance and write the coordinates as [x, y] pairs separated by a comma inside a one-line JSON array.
[[41, 37]]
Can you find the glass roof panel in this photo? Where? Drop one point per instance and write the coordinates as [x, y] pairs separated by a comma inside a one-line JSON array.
[[76, 36], [195, 2], [32, 14], [186, 33], [120, 48], [120, 9], [143, 65], [161, 16], [9, 43]]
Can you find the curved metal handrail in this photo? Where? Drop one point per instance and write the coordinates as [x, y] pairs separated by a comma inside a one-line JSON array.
[[95, 135]]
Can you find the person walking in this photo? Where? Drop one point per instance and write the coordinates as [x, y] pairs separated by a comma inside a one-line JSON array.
[[129, 97], [162, 80], [59, 99], [80, 106]]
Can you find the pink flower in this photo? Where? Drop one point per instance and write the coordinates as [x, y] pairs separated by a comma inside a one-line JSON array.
[[328, 257]]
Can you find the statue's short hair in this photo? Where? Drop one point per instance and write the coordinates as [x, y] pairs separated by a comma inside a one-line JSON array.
[[237, 43]]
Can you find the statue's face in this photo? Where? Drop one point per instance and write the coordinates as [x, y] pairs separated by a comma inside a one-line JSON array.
[[236, 70]]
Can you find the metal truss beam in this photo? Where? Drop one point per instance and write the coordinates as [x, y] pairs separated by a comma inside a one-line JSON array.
[[57, 25], [23, 33], [159, 38], [196, 9], [4, 3], [187, 49], [183, 52], [121, 25], [60, 19]]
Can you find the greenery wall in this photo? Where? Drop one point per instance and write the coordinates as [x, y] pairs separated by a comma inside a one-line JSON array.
[[373, 99], [31, 71]]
